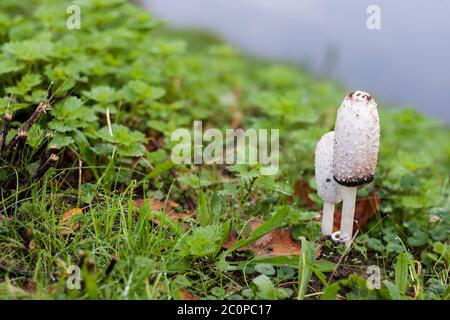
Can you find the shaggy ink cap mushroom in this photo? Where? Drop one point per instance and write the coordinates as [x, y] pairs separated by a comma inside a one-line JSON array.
[[357, 140], [327, 187]]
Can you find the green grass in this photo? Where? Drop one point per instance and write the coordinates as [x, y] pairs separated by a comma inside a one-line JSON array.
[[153, 81]]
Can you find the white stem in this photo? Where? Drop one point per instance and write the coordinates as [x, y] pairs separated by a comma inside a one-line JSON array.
[[348, 214], [327, 218]]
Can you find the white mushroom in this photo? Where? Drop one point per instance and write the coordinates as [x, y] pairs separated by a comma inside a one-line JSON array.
[[327, 187], [357, 140]]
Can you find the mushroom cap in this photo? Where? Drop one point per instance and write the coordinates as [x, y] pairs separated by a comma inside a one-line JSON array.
[[357, 140], [327, 189]]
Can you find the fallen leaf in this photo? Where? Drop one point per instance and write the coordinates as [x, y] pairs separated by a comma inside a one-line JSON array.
[[65, 226], [30, 286], [184, 295], [155, 140], [170, 210], [302, 191], [275, 243], [31, 245], [155, 204], [52, 288]]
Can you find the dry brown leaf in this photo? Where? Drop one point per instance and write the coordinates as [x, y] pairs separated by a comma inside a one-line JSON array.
[[31, 245], [276, 243], [52, 288], [302, 191], [66, 226], [184, 295], [30, 286], [170, 210], [155, 204], [155, 140]]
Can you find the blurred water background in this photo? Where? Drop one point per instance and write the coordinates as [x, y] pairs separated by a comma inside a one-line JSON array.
[[405, 63]]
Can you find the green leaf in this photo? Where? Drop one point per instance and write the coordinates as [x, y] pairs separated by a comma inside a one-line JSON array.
[[305, 266], [135, 150], [202, 209], [280, 261], [375, 244], [225, 233], [331, 291], [411, 202], [265, 268], [419, 238], [102, 94], [158, 170], [168, 47], [401, 272], [127, 142], [215, 208], [62, 141], [29, 50], [358, 287], [266, 289], [443, 250], [218, 292], [9, 65], [121, 135], [137, 90], [160, 126], [36, 96], [297, 216], [85, 148], [324, 265], [27, 82], [202, 241], [394, 292], [70, 115], [7, 105]]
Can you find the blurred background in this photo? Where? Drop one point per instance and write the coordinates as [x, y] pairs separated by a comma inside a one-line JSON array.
[[405, 63]]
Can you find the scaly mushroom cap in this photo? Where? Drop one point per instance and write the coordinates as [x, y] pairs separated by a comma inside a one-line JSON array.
[[327, 188], [357, 140]]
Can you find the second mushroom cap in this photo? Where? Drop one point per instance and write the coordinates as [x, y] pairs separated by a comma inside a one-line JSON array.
[[327, 187]]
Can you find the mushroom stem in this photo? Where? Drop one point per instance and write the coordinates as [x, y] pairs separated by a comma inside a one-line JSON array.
[[348, 214], [327, 218]]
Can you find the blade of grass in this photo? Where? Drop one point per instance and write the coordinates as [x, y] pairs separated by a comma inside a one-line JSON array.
[[401, 272], [305, 266], [202, 210]]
